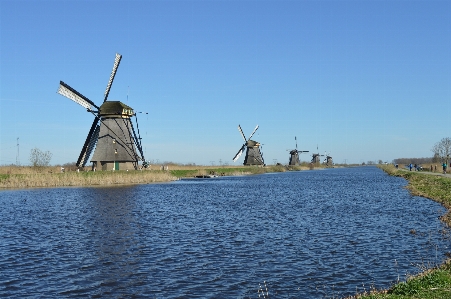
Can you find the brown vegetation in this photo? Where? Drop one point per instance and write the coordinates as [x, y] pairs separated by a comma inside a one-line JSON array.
[[54, 176], [29, 177]]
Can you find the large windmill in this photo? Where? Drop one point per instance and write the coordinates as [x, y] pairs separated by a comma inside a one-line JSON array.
[[111, 134], [253, 154], [294, 154]]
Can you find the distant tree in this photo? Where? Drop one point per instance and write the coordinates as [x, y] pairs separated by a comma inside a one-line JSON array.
[[435, 158], [379, 162], [39, 158], [442, 149]]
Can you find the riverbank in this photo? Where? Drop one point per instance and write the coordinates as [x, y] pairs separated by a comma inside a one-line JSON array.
[[20, 177], [432, 283]]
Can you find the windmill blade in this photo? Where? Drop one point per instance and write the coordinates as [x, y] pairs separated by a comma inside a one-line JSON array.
[[239, 153], [70, 93], [83, 158], [296, 142], [137, 140], [91, 145], [262, 160], [253, 132], [242, 134], [117, 60]]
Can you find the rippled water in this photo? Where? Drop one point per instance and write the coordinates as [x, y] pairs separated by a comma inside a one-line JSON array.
[[311, 234]]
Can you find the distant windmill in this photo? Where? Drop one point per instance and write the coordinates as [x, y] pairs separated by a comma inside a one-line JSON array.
[[294, 154], [316, 157], [114, 139], [328, 160], [253, 154]]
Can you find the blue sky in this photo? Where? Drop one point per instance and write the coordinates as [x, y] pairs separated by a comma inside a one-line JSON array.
[[361, 80]]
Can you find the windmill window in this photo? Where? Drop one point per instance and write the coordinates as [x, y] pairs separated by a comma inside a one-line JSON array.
[[114, 140], [115, 151]]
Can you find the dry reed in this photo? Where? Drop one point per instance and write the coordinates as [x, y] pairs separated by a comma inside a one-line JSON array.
[[53, 176], [46, 179]]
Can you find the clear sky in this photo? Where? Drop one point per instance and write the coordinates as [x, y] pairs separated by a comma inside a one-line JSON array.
[[361, 80]]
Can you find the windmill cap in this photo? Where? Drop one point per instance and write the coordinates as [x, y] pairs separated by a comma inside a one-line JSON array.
[[252, 143], [115, 108]]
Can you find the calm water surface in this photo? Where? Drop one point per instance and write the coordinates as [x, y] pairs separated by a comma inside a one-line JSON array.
[[311, 234]]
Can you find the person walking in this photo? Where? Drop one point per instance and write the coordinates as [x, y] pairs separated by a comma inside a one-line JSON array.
[[444, 167]]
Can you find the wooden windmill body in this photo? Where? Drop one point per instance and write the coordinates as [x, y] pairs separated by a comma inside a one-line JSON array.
[[316, 158], [115, 149], [328, 160], [112, 134]]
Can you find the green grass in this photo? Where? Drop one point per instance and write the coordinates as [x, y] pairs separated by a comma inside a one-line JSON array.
[[4, 177], [184, 173], [224, 171], [433, 284], [430, 186]]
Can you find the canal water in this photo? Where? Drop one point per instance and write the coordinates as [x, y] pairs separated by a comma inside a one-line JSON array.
[[310, 234]]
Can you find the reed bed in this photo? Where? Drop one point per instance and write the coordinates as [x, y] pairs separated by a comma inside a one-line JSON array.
[[34, 180], [53, 176]]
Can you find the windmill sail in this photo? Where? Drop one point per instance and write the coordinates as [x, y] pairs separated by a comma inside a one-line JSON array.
[[117, 60], [70, 93], [91, 145], [242, 134], [84, 156], [240, 152], [253, 132]]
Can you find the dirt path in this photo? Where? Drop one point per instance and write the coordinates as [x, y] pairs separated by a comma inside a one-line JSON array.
[[438, 173]]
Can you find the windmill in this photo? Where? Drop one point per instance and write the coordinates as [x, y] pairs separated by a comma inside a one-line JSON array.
[[316, 157], [253, 154], [112, 133], [294, 154], [328, 160]]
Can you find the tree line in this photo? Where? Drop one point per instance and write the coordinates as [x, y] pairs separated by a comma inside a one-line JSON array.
[[441, 153], [412, 160]]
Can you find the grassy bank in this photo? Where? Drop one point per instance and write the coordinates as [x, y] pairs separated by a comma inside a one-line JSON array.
[[98, 178], [433, 283], [29, 177]]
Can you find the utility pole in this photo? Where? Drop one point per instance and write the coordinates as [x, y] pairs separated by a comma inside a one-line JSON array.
[[17, 156]]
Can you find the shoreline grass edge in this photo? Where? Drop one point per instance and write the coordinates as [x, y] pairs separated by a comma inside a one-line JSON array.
[[51, 177], [434, 283]]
